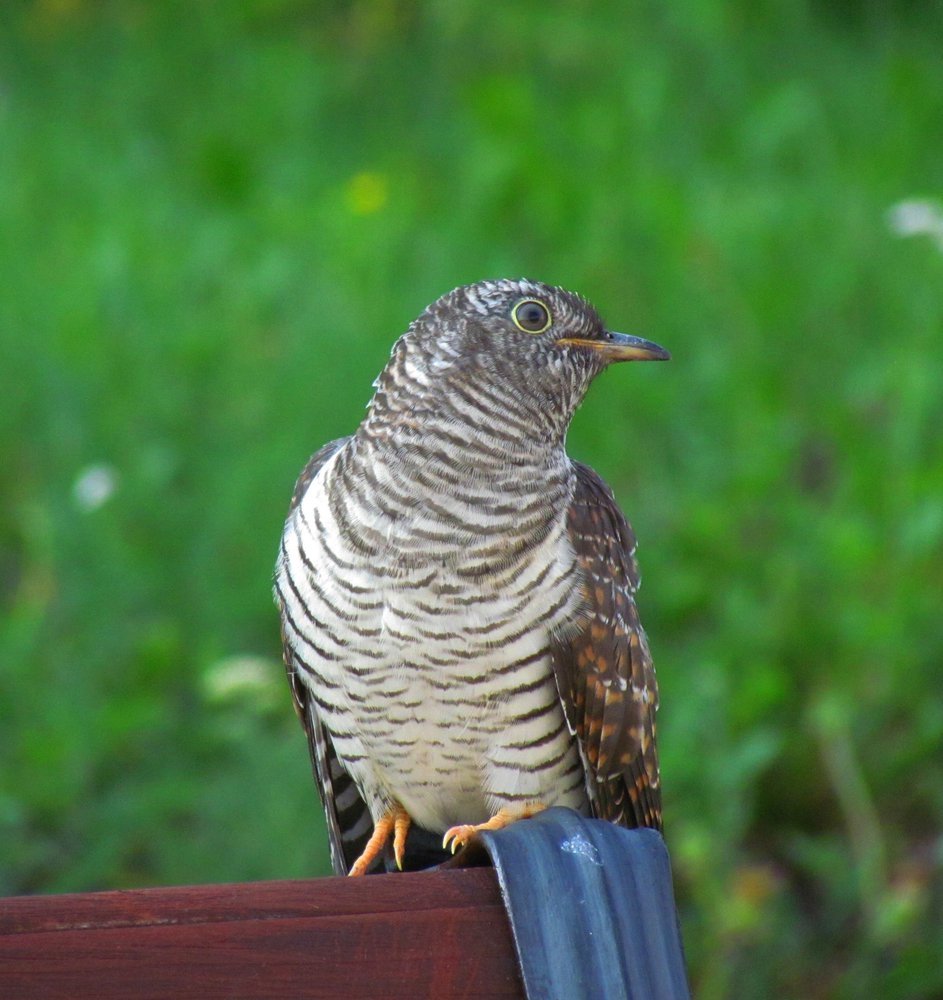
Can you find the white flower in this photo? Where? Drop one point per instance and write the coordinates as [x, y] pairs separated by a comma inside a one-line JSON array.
[[916, 217], [250, 677], [94, 486]]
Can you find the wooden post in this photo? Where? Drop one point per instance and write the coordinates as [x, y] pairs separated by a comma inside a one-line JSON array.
[[425, 934]]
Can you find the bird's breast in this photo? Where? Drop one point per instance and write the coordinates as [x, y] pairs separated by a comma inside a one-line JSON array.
[[432, 663]]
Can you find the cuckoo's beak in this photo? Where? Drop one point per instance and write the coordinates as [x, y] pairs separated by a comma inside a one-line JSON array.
[[620, 347]]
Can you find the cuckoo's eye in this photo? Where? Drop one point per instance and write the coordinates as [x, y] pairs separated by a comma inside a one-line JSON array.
[[531, 316]]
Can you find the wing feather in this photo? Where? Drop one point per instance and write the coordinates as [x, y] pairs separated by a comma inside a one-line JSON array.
[[604, 671]]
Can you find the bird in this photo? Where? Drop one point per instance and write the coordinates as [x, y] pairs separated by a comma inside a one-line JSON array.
[[458, 596]]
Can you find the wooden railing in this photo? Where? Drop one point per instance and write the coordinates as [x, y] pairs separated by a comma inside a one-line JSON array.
[[426, 934]]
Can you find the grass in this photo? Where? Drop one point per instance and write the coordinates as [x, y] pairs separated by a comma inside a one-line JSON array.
[[214, 223]]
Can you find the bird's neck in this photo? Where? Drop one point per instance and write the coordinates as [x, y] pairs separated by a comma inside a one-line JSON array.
[[454, 469], [478, 412], [443, 491]]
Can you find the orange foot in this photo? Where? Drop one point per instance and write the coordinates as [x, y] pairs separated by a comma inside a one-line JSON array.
[[395, 821], [458, 836]]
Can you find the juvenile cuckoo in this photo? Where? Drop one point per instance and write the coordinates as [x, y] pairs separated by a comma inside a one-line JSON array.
[[457, 595]]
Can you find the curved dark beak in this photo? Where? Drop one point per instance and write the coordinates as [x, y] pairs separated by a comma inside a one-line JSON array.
[[621, 347]]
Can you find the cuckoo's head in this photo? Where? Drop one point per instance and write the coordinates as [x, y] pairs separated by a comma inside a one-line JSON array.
[[504, 347], [524, 333]]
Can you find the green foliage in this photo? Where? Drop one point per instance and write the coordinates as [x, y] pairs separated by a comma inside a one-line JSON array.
[[216, 218]]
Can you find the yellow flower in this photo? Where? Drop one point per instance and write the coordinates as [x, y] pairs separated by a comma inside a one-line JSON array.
[[366, 192]]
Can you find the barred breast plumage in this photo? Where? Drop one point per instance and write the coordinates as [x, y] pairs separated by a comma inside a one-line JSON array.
[[439, 596]]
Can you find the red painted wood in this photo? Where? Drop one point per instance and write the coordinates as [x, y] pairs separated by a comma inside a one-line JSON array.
[[423, 934]]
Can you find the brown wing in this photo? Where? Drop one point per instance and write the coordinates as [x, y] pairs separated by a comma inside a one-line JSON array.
[[348, 819], [604, 671]]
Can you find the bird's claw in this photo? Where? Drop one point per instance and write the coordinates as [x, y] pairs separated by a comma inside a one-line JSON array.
[[459, 836], [396, 822], [401, 824]]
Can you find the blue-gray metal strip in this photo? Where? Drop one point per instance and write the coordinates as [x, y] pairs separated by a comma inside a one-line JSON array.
[[591, 908]]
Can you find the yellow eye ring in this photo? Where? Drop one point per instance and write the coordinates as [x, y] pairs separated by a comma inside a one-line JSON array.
[[531, 316]]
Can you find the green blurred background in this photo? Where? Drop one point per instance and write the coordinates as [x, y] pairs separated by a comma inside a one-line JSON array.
[[215, 218]]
